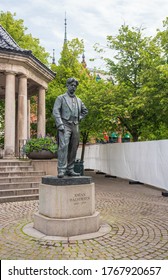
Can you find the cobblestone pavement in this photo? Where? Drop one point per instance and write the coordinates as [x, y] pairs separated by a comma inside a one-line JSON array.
[[137, 215]]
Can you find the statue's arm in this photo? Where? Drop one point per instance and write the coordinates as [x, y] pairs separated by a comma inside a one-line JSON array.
[[57, 113], [84, 111]]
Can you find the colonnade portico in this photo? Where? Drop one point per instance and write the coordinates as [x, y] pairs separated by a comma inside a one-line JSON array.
[[17, 113], [21, 76]]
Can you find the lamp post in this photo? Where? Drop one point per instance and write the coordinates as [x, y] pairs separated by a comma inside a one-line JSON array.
[[126, 137], [114, 137]]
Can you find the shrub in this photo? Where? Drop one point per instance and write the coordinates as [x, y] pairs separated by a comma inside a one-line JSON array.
[[39, 144]]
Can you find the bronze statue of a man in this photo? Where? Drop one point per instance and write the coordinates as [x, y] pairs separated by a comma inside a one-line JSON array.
[[68, 111]]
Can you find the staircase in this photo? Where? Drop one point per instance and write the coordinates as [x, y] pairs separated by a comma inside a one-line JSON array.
[[18, 181]]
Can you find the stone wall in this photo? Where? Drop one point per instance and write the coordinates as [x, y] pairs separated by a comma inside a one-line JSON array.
[[49, 166]]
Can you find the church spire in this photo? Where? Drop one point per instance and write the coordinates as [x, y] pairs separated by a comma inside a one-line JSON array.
[[65, 35], [53, 58], [83, 61]]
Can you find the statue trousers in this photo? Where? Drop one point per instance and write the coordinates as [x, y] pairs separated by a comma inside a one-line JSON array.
[[68, 142]]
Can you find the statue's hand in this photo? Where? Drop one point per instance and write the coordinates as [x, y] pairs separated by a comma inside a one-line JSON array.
[[61, 128]]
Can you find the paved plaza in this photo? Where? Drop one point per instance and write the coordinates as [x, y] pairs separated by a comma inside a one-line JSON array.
[[137, 215]]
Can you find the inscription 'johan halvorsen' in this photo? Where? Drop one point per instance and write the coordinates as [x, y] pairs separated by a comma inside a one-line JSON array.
[[79, 197]]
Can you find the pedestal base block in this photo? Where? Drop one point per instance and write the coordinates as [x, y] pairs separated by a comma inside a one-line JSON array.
[[67, 227], [67, 207], [67, 201]]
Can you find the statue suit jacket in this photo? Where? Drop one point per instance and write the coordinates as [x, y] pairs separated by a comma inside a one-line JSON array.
[[62, 109]]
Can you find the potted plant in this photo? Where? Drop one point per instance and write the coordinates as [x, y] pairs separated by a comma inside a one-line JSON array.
[[40, 148]]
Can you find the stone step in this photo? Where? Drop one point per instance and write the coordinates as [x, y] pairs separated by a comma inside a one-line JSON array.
[[4, 162], [19, 181], [15, 168], [24, 185], [34, 178], [19, 192], [19, 198], [21, 173]]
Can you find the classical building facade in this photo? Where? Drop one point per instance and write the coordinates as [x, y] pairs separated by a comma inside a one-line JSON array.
[[21, 76]]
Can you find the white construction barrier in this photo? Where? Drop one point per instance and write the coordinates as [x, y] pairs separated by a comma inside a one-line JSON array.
[[146, 162]]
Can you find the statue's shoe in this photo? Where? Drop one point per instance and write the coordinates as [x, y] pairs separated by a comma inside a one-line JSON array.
[[60, 175], [72, 173]]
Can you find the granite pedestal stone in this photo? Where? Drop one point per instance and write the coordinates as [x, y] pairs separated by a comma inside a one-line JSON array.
[[67, 206]]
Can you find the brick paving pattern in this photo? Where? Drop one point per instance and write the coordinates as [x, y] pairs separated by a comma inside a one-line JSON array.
[[136, 213]]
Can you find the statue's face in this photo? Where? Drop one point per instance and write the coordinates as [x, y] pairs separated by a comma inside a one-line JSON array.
[[71, 88]]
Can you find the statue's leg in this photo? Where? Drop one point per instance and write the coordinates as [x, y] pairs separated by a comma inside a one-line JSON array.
[[72, 149], [63, 150]]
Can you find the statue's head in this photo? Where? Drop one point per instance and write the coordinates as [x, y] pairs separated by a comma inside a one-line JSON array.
[[70, 81]]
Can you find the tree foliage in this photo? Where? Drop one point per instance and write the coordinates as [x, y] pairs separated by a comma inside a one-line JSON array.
[[139, 69], [15, 27]]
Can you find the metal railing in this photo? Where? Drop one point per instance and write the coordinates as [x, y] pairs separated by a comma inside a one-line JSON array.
[[22, 154]]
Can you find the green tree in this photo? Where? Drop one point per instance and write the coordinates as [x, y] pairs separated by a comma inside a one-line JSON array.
[[157, 88], [162, 81], [136, 71], [97, 97], [15, 27], [161, 39]]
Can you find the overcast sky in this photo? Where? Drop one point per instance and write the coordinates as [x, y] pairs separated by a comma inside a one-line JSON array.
[[90, 20]]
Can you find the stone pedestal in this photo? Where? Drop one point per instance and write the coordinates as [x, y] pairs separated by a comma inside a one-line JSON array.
[[67, 207]]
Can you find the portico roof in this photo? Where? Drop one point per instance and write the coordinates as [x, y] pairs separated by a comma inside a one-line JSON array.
[[8, 45]]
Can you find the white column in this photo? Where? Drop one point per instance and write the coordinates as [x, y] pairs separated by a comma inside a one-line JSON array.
[[41, 116], [22, 108], [10, 115]]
